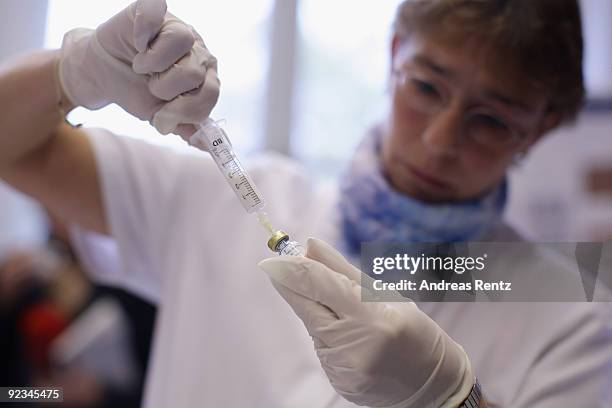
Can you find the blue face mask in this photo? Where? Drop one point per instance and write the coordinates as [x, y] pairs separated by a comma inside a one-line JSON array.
[[372, 211]]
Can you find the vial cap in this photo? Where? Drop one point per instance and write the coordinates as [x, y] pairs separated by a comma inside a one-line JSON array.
[[277, 238]]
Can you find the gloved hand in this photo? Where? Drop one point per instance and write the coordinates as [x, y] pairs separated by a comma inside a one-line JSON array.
[[374, 354], [147, 61]]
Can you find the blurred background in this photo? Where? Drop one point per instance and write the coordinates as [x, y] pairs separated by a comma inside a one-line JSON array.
[[302, 77]]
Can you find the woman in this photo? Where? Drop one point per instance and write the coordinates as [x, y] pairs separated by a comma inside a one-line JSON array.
[[224, 338], [474, 87]]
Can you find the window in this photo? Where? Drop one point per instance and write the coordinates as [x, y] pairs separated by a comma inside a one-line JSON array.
[[343, 64]]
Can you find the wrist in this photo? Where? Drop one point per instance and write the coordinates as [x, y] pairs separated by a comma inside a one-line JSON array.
[[51, 96], [64, 103], [464, 383], [475, 398], [84, 71]]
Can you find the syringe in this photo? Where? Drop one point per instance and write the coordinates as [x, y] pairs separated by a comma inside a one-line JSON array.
[[212, 138]]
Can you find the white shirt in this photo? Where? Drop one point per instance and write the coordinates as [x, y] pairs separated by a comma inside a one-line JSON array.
[[225, 338]]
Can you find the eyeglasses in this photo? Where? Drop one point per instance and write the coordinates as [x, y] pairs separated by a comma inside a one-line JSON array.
[[482, 126]]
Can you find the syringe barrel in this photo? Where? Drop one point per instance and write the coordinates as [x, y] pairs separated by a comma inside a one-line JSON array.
[[212, 138]]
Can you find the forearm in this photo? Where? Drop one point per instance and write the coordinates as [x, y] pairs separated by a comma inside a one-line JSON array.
[[39, 154], [30, 113]]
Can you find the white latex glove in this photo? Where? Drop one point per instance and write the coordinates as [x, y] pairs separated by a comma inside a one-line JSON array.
[[374, 354], [147, 61]]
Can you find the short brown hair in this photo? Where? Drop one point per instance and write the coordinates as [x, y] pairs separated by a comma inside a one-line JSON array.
[[540, 39]]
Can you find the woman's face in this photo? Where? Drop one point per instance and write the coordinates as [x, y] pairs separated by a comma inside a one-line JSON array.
[[454, 126]]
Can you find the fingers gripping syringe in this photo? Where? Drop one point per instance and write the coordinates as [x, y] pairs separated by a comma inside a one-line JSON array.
[[212, 138]]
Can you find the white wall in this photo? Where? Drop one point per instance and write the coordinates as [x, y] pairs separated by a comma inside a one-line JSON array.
[[548, 198], [23, 26]]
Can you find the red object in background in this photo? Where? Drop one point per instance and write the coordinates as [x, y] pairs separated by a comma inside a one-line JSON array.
[[39, 325]]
